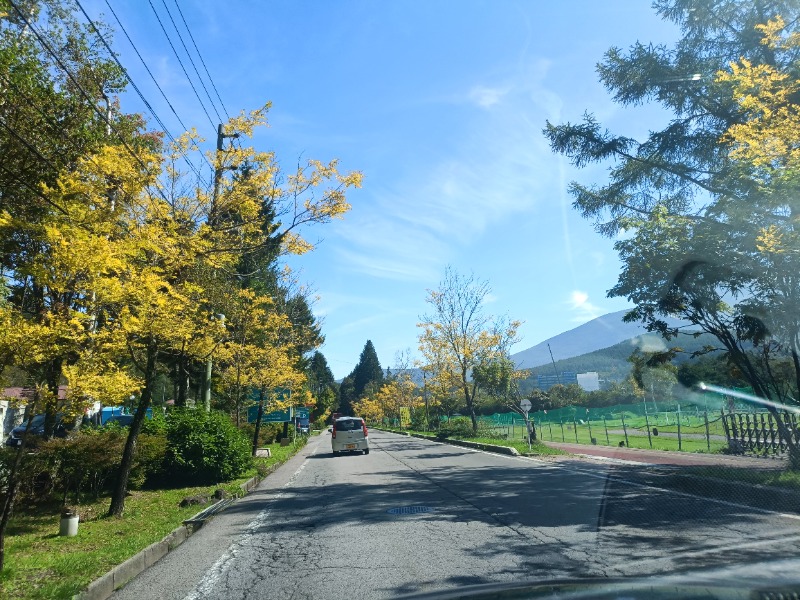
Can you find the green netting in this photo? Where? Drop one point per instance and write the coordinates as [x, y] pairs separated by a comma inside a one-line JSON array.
[[659, 412]]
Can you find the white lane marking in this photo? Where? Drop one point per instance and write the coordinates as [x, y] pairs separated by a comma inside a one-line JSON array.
[[762, 511], [223, 563]]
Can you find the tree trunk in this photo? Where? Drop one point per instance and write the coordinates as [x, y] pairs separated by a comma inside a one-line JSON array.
[[52, 379], [182, 367], [121, 487], [258, 420]]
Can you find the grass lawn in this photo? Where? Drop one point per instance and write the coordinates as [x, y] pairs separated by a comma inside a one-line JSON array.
[[537, 448], [636, 439], [41, 564]]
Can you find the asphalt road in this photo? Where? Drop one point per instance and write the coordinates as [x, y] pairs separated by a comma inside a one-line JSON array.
[[325, 527]]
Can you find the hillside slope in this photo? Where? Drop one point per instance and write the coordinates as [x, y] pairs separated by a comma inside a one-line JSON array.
[[602, 332]]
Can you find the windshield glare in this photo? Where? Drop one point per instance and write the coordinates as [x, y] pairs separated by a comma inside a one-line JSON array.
[[549, 251]]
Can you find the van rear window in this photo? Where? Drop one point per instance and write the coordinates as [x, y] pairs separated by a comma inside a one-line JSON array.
[[348, 425]]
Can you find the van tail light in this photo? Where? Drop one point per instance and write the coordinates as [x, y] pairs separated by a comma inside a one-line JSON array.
[[333, 431], [364, 426]]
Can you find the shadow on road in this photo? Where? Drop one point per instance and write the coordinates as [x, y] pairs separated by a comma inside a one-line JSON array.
[[595, 520]]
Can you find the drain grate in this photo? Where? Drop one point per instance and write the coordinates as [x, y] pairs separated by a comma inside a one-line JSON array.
[[409, 510]]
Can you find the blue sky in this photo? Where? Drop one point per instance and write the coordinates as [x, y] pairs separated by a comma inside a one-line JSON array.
[[441, 105]]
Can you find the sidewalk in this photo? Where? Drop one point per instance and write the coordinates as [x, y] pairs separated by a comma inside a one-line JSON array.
[[664, 457]]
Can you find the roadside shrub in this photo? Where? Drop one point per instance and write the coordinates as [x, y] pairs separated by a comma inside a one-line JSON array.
[[486, 429], [456, 427], [86, 462], [418, 420], [157, 425], [268, 434], [204, 448]]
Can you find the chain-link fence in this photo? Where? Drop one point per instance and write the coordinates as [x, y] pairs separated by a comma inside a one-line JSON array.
[[658, 425]]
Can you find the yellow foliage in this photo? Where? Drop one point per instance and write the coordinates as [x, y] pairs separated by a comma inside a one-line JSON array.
[[769, 240]]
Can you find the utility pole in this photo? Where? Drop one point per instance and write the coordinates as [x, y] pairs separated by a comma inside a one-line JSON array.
[[218, 169], [425, 395], [558, 379]]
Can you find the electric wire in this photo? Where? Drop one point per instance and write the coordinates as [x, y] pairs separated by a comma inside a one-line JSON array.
[[216, 91], [155, 81], [180, 62], [133, 84], [85, 94], [191, 60]]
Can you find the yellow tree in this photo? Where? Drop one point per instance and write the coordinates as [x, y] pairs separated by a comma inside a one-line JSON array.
[[765, 148], [255, 357], [461, 334], [370, 409]]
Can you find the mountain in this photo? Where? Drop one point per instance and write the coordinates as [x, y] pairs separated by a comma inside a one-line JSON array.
[[612, 363], [602, 332]]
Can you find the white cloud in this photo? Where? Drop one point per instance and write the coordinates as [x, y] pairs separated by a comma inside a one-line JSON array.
[[584, 310], [486, 97], [496, 167]]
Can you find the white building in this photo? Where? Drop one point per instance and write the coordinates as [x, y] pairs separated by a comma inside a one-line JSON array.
[[589, 382]]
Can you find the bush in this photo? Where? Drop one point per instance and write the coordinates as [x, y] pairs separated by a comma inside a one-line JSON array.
[[268, 434], [204, 448], [418, 420], [85, 462], [456, 427]]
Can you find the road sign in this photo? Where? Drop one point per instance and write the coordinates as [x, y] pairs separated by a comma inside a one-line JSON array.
[[525, 405], [302, 412], [276, 416]]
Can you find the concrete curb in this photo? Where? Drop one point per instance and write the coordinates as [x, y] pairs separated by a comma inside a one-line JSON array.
[[105, 585], [507, 450], [102, 588]]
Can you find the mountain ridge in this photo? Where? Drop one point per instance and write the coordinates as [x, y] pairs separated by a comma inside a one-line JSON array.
[[599, 333]]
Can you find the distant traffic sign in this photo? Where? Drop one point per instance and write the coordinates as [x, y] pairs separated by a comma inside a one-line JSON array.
[[525, 405], [276, 416], [301, 412]]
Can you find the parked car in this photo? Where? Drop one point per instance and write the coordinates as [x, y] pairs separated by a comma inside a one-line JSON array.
[[349, 434], [36, 427]]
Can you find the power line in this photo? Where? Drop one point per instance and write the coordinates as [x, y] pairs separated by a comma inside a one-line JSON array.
[[85, 94], [133, 83], [149, 72], [180, 62], [216, 91], [155, 81], [191, 60]]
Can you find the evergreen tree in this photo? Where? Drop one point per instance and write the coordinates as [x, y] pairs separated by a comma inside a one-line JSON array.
[[368, 370]]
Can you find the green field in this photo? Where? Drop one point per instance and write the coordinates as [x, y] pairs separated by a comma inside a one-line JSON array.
[[40, 564], [637, 438]]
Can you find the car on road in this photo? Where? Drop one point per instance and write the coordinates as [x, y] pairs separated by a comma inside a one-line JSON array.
[[349, 434]]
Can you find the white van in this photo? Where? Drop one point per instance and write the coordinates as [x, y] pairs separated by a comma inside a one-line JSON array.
[[349, 434]]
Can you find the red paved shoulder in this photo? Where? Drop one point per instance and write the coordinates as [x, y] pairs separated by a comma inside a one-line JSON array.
[[665, 457]]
